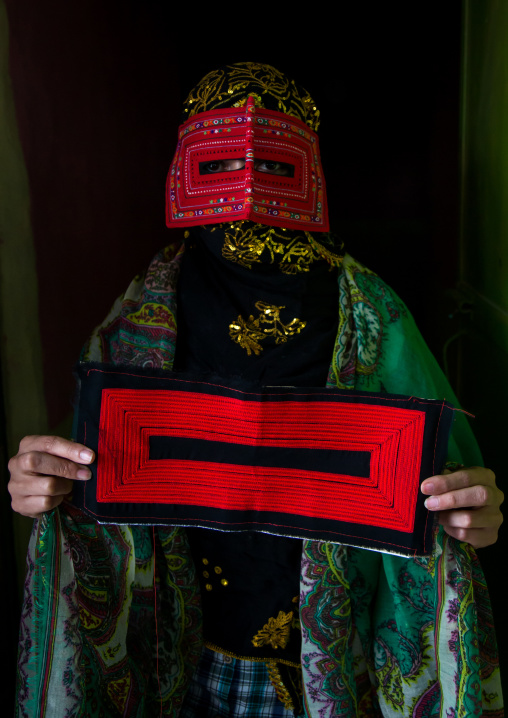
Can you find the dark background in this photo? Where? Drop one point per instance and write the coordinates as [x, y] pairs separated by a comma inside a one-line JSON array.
[[98, 90]]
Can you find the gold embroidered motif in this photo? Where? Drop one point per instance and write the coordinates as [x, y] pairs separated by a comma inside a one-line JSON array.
[[258, 102], [249, 333], [282, 692], [229, 87], [275, 632], [245, 246], [334, 256], [254, 659]]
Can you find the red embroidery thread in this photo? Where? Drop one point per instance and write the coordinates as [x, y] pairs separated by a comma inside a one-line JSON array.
[[387, 498], [296, 202]]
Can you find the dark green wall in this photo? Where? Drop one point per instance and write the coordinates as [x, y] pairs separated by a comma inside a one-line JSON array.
[[484, 256], [483, 361]]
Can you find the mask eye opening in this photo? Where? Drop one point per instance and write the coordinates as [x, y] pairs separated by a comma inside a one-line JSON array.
[[264, 166], [273, 167], [212, 167]]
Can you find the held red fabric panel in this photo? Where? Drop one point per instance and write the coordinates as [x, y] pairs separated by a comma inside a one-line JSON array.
[[310, 463], [392, 436], [297, 200]]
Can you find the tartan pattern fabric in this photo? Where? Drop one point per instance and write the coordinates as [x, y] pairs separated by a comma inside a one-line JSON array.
[[224, 686]]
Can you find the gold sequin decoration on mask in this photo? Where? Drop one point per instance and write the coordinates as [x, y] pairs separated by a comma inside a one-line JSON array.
[[275, 632], [246, 245], [230, 87], [249, 333]]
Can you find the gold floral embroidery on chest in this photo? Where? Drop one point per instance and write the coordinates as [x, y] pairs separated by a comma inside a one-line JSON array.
[[248, 333], [247, 246]]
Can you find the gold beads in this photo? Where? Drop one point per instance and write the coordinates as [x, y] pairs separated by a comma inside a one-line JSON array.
[[206, 574]]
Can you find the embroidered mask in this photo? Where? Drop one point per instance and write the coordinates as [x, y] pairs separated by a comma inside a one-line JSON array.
[[239, 157]]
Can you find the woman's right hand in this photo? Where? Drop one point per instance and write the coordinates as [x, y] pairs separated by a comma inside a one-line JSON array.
[[43, 471]]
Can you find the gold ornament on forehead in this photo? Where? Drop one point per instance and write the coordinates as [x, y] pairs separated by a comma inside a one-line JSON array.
[[208, 90], [267, 78], [230, 87]]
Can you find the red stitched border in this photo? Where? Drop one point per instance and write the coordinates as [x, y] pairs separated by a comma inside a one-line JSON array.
[[240, 392], [392, 435]]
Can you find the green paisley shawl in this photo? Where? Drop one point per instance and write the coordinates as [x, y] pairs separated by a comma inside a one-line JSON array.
[[111, 618]]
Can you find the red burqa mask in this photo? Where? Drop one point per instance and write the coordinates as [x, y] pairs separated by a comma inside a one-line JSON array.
[[248, 162]]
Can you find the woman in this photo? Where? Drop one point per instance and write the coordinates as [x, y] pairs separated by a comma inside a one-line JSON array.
[[315, 629]]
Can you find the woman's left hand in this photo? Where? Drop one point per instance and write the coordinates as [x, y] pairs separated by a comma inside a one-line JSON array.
[[468, 502]]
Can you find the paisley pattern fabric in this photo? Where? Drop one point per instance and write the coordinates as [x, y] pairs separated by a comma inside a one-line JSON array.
[[111, 619], [141, 327], [384, 636]]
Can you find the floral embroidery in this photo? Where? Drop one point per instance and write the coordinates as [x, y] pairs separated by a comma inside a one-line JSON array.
[[249, 333], [275, 632], [229, 86], [249, 246], [328, 247]]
